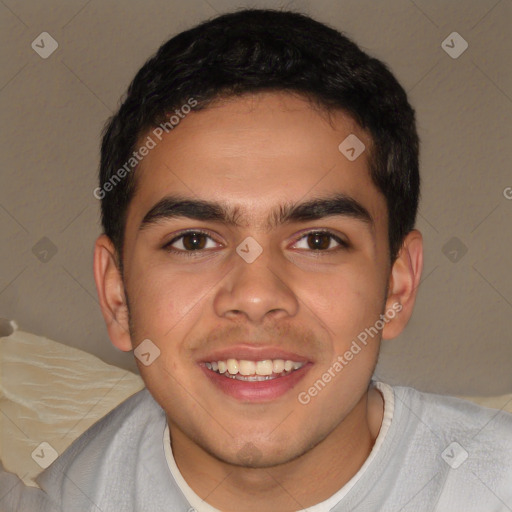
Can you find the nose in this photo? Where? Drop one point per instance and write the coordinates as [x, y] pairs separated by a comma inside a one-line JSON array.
[[256, 290]]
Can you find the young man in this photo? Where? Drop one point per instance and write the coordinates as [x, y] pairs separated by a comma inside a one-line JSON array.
[[259, 188]]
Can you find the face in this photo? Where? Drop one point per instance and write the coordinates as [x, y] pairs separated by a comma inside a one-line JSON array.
[[289, 263]]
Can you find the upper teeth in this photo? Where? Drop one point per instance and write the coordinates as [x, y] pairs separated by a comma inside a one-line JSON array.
[[246, 367]]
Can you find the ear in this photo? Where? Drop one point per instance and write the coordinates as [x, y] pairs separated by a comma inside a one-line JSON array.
[[109, 284], [403, 285]]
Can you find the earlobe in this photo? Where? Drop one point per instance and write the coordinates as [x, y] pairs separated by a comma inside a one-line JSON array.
[[109, 285], [403, 284]]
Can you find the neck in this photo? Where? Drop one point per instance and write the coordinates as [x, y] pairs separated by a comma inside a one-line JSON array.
[[303, 482]]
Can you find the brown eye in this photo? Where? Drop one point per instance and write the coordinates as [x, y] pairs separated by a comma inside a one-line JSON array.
[[321, 241], [189, 242], [193, 241]]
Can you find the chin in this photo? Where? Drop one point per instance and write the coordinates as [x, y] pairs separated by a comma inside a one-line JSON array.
[[257, 455]]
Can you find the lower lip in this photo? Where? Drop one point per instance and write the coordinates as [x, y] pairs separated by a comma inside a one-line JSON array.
[[263, 391]]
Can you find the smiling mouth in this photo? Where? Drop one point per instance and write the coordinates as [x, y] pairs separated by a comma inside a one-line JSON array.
[[254, 371]]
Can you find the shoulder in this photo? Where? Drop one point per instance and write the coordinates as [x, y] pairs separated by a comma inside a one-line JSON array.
[[451, 416], [130, 418], [111, 457], [469, 446]]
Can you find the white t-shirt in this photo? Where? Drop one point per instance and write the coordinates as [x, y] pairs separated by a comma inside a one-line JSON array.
[[433, 453]]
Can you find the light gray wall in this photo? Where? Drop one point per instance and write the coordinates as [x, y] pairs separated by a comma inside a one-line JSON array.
[[53, 109]]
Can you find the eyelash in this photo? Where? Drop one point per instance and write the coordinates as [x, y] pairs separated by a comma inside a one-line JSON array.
[[167, 247]]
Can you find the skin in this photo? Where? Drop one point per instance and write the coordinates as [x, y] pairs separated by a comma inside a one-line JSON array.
[[256, 152]]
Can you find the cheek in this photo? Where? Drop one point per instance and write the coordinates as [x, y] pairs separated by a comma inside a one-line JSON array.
[[165, 305], [346, 301], [164, 300]]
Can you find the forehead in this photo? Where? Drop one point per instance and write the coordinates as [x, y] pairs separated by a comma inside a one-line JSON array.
[[255, 152]]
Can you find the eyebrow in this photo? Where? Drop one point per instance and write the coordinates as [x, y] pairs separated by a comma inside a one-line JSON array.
[[171, 207]]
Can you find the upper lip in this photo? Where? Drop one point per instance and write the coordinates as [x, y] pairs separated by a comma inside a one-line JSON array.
[[252, 353]]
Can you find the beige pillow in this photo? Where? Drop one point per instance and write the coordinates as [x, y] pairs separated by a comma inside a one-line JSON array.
[[51, 393]]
